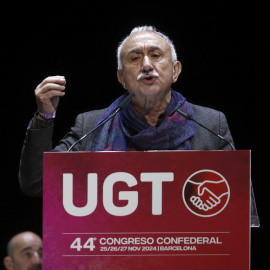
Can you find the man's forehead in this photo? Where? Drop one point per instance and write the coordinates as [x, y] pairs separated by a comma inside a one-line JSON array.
[[145, 40], [27, 241]]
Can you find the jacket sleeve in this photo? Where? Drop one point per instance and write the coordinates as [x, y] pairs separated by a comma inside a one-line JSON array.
[[36, 142]]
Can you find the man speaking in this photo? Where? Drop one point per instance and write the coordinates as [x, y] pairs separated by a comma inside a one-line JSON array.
[[157, 118]]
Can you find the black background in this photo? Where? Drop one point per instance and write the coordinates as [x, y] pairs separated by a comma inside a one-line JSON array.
[[223, 50]]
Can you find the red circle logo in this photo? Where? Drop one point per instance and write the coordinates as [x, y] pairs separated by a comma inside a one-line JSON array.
[[206, 193]]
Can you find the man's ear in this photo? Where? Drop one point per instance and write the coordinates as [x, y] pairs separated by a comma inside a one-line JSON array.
[[120, 77], [8, 263], [177, 68]]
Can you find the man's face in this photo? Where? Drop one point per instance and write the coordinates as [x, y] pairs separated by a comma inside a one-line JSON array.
[[27, 253], [147, 67]]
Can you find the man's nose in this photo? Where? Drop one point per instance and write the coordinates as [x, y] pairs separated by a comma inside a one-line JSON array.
[[36, 259], [147, 64]]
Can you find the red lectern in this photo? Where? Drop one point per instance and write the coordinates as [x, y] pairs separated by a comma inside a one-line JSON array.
[[147, 210]]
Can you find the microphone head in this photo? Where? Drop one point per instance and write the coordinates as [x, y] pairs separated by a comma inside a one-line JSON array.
[[125, 101], [185, 114]]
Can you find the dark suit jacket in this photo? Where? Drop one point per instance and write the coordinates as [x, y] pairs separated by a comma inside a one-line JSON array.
[[38, 141]]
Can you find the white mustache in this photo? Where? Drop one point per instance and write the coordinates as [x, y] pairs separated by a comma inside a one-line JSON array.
[[145, 73]]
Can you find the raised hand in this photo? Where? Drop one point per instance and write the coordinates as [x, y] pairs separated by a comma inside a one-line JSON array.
[[48, 92]]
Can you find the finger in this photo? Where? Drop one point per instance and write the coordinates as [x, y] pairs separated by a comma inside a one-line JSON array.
[[55, 102], [57, 78], [46, 97], [48, 102], [196, 200], [209, 204], [49, 91], [50, 87], [53, 79], [205, 207], [215, 200]]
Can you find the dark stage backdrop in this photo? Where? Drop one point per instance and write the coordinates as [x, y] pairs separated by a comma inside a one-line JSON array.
[[224, 53]]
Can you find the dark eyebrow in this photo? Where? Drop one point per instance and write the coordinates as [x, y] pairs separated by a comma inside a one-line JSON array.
[[154, 48], [26, 249], [139, 50], [29, 249]]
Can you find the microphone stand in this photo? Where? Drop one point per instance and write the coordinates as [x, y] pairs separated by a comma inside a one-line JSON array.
[[121, 106]]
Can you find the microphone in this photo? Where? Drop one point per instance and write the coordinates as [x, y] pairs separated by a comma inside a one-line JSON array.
[[121, 106], [189, 117]]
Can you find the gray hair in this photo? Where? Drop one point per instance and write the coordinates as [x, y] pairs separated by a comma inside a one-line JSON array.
[[144, 29]]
